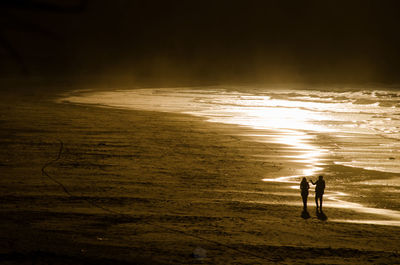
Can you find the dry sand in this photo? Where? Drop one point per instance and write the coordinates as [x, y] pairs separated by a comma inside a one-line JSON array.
[[157, 188]]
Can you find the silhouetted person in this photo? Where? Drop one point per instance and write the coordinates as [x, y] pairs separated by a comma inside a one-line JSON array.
[[304, 187], [319, 191]]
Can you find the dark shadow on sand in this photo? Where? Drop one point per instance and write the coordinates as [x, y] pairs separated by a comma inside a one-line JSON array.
[[321, 216], [305, 214], [40, 257]]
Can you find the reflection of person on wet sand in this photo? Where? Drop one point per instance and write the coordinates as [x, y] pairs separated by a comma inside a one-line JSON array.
[[304, 187], [319, 191]]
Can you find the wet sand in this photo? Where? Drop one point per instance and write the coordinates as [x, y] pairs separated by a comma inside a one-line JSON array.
[[158, 188]]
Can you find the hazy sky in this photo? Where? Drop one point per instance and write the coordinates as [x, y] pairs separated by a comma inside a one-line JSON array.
[[206, 41]]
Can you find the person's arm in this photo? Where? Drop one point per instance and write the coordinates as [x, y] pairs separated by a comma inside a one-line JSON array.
[[313, 182]]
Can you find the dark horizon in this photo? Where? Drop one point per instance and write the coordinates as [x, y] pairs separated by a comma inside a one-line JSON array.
[[330, 42]]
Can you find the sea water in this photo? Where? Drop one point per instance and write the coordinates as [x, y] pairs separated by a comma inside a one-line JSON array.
[[364, 124], [356, 128]]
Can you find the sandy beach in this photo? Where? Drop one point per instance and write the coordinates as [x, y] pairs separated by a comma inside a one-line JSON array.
[[141, 187]]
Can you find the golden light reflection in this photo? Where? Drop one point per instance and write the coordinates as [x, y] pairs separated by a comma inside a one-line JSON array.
[[289, 122], [293, 120], [289, 179], [309, 156], [335, 197]]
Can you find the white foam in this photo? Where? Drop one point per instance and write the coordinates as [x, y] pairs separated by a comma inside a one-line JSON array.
[[353, 117]]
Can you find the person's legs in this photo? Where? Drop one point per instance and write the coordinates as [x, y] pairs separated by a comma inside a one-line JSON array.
[[304, 196], [305, 203], [316, 200], [320, 202]]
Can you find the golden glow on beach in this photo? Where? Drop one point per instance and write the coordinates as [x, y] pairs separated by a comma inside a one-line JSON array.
[[313, 130], [306, 154]]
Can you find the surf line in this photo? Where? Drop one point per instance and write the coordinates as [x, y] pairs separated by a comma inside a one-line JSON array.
[[335, 200], [106, 209]]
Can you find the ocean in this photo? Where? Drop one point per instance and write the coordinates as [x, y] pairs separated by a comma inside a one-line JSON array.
[[326, 131], [364, 125]]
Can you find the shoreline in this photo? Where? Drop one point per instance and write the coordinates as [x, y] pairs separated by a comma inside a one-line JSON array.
[[164, 170], [323, 163]]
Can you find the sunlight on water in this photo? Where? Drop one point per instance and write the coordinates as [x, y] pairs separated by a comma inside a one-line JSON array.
[[361, 128], [371, 222], [339, 203], [357, 119], [368, 119]]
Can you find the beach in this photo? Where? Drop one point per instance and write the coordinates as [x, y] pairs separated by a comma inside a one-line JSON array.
[[83, 184]]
